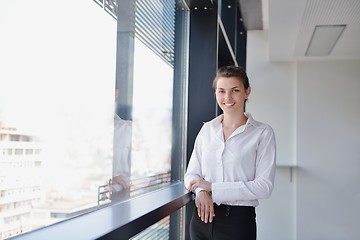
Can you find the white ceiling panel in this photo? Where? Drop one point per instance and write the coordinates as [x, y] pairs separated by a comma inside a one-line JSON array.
[[291, 24]]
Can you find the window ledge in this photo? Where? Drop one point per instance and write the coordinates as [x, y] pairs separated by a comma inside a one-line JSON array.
[[286, 165], [123, 219], [291, 168]]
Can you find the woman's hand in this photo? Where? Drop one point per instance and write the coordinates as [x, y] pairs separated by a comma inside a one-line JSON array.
[[205, 206], [203, 200], [122, 181], [199, 183]]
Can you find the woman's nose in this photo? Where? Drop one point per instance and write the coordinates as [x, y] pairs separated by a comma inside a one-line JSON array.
[[228, 95]]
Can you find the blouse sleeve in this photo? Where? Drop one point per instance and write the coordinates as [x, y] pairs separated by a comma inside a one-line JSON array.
[[194, 167]]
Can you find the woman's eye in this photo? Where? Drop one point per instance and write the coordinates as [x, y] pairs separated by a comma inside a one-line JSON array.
[[220, 91]]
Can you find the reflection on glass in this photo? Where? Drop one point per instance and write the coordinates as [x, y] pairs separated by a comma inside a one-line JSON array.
[[63, 151], [144, 87], [120, 182], [56, 110]]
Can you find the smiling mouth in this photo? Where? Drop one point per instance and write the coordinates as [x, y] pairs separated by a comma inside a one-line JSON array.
[[229, 104]]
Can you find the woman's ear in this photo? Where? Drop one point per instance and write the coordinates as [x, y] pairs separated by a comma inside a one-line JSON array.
[[247, 92]]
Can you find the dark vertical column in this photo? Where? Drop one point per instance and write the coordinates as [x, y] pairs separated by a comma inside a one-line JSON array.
[[228, 14], [235, 31], [203, 51], [240, 39], [125, 57], [202, 70]]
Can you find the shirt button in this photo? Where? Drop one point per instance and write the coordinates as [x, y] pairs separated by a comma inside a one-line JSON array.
[[227, 213]]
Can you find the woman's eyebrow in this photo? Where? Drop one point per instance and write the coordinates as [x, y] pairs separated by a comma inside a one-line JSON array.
[[230, 88]]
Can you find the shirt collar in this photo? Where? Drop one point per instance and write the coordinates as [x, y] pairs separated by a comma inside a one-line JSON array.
[[251, 120], [216, 126], [119, 121], [216, 123]]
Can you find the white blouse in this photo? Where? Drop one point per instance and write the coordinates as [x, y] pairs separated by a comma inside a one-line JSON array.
[[122, 147], [241, 169]]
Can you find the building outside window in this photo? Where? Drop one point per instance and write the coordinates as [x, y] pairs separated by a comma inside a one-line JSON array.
[[59, 92]]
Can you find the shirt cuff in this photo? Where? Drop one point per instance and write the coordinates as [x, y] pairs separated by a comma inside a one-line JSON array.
[[199, 189]]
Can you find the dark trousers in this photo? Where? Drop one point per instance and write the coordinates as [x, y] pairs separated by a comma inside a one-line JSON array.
[[229, 223]]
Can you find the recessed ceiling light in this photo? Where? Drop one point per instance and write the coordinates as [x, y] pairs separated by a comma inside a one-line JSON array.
[[324, 39]]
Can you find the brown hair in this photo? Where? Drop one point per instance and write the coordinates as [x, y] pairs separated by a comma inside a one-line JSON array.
[[232, 71]]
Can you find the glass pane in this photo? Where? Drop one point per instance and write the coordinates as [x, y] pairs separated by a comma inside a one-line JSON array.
[[144, 87], [56, 110], [152, 110], [158, 231], [60, 142], [152, 113]]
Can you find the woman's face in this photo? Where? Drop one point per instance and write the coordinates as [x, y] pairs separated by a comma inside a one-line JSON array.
[[231, 94]]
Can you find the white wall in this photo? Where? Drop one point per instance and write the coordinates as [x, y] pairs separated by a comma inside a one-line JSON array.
[[273, 101], [314, 110], [328, 156]]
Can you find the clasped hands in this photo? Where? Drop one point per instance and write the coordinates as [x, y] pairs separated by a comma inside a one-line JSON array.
[[203, 200], [120, 183]]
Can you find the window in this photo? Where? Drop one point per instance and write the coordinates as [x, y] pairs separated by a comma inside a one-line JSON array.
[[56, 109], [58, 127], [144, 88]]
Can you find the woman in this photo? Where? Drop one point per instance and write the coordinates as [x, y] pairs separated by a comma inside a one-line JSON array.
[[232, 164]]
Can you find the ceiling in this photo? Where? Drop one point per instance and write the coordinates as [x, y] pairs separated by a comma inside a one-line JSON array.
[[290, 25]]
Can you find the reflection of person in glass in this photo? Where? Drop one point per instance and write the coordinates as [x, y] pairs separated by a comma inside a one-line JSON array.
[[121, 155]]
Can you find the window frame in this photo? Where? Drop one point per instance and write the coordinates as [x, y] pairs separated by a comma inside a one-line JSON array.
[[119, 221]]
